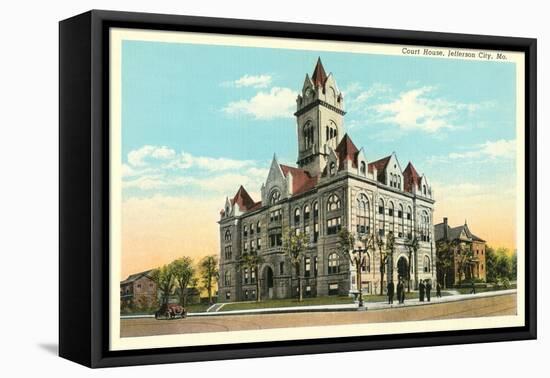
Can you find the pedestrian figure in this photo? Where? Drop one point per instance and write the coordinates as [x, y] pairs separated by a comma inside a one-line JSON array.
[[391, 290], [438, 290], [399, 291], [473, 291], [428, 290], [421, 288]]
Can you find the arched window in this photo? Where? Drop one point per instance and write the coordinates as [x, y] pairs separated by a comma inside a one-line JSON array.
[[306, 213], [333, 263], [258, 227], [381, 216], [398, 182], [401, 221], [245, 231], [227, 278], [297, 216], [391, 217], [424, 189], [424, 226], [227, 235], [363, 214], [333, 203], [426, 264], [409, 223], [332, 168], [308, 135], [315, 221], [363, 168], [275, 197]]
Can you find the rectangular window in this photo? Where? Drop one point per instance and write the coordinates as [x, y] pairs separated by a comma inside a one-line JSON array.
[[276, 216], [399, 214], [334, 225], [252, 276], [281, 268], [246, 275], [228, 252], [380, 209], [390, 212], [259, 244], [408, 216], [315, 232], [333, 289], [275, 240], [307, 267], [315, 266]]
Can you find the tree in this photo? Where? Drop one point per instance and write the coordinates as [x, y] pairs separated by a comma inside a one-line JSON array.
[[390, 247], [491, 264], [383, 258], [464, 259], [354, 256], [252, 261], [164, 278], [183, 271], [209, 273], [444, 259], [514, 273], [295, 246], [412, 246]]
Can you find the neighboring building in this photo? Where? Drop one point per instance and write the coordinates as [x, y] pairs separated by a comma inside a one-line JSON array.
[[457, 236], [138, 290], [333, 186]]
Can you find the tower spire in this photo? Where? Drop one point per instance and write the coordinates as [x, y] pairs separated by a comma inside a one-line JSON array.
[[319, 76]]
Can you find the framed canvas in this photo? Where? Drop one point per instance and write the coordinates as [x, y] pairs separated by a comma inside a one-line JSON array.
[[235, 188]]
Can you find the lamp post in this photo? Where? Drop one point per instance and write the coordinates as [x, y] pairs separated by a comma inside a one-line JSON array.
[[359, 261]]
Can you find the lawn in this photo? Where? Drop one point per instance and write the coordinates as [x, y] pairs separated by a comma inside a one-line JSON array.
[[467, 290], [272, 303]]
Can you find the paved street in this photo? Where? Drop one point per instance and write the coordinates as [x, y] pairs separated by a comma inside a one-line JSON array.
[[485, 306]]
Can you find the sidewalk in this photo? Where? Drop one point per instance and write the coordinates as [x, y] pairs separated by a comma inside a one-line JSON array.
[[369, 306]]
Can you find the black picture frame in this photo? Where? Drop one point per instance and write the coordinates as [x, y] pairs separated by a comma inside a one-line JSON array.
[[84, 188]]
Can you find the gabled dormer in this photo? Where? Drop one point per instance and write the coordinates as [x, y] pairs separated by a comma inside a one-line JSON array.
[[276, 186]]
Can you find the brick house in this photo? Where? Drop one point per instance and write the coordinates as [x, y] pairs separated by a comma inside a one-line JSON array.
[[138, 291], [461, 235]]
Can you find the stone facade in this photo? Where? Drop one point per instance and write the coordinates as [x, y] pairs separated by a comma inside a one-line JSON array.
[[332, 187]]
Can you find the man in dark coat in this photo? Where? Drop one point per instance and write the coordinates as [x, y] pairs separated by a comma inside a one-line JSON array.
[[473, 291], [391, 290], [438, 290], [421, 288], [400, 291], [428, 290]]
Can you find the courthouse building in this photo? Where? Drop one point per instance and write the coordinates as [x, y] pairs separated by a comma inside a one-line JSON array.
[[332, 186]]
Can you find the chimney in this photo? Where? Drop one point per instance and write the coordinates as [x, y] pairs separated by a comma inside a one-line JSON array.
[[445, 227]]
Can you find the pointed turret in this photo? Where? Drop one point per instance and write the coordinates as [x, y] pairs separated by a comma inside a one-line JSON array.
[[319, 76], [243, 199], [411, 178], [346, 151]]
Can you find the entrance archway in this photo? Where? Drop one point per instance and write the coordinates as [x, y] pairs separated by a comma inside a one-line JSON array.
[[268, 282], [402, 268]]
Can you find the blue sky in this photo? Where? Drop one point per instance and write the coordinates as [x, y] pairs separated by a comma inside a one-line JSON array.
[[199, 120]]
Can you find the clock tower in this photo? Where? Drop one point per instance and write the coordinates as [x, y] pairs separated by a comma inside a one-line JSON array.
[[319, 118]]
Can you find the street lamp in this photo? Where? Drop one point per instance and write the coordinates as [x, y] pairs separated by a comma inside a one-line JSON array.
[[359, 261]]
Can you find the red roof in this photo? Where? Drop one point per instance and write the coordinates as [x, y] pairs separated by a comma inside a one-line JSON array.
[[243, 199], [346, 150], [319, 76], [380, 165], [301, 179], [410, 178]]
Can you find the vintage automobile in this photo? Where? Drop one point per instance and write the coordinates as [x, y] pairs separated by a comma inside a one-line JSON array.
[[170, 311]]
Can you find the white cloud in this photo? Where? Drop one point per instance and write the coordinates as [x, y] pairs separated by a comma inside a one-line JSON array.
[[416, 109], [141, 156], [265, 105], [154, 169], [498, 149], [255, 81], [186, 160]]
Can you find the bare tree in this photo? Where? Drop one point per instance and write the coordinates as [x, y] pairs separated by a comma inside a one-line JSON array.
[[252, 262], [295, 246]]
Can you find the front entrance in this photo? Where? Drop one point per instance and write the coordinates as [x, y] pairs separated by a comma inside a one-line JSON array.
[[268, 282], [402, 268]]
